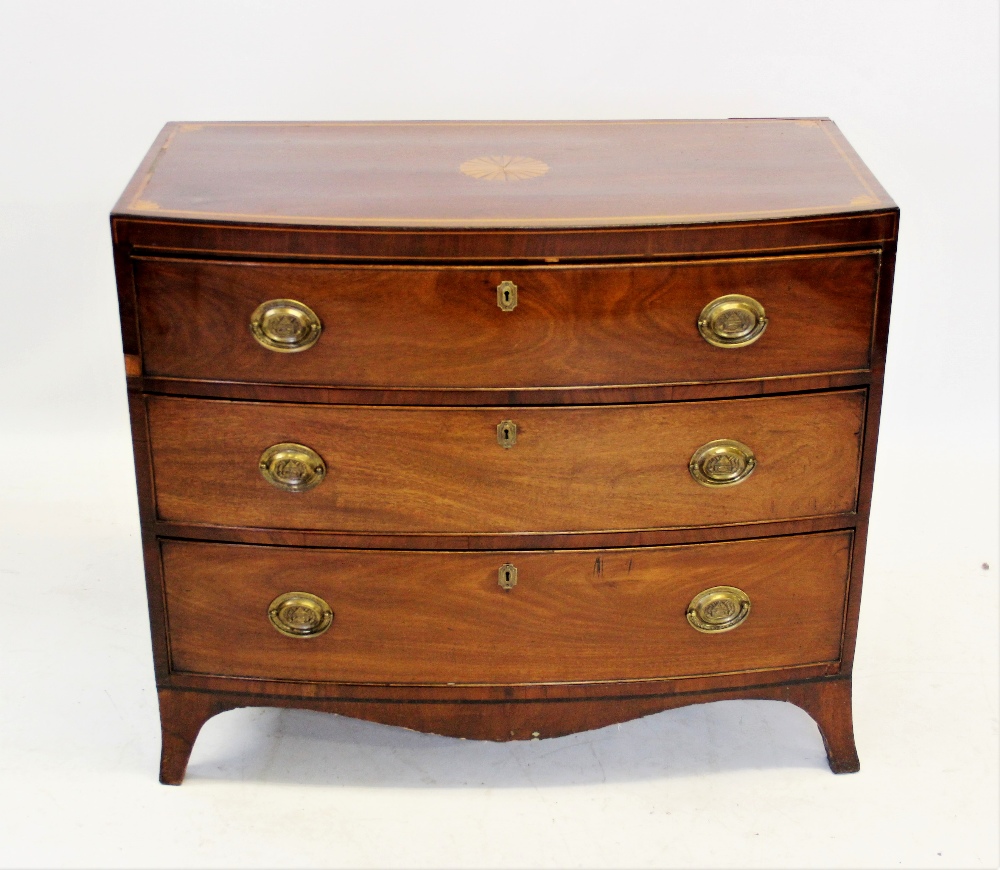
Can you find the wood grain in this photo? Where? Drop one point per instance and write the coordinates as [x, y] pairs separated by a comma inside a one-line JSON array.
[[442, 617], [604, 173], [440, 328], [399, 470]]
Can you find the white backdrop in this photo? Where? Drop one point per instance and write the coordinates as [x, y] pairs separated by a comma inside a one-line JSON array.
[[85, 87]]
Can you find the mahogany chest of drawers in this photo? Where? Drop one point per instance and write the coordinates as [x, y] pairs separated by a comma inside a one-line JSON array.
[[503, 430]]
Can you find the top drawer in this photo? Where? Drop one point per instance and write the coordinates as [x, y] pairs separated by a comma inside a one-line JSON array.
[[443, 327]]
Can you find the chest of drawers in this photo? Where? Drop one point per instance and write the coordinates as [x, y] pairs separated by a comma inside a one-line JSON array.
[[503, 430]]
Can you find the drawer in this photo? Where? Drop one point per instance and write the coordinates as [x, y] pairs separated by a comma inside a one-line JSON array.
[[441, 328], [442, 617], [443, 470]]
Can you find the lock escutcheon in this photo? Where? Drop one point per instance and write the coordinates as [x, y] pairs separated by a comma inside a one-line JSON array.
[[507, 434], [507, 576], [507, 295]]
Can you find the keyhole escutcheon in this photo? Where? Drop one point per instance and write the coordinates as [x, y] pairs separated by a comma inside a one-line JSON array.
[[507, 295], [507, 576], [507, 434]]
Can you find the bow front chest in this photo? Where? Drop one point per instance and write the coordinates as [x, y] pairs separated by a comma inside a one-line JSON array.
[[503, 430]]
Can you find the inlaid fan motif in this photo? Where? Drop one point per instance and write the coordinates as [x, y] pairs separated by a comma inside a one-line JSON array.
[[504, 168]]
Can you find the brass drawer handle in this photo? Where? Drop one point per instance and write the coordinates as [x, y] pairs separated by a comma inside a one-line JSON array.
[[507, 295], [285, 326], [507, 576], [300, 614], [732, 321], [292, 467], [720, 608], [722, 463]]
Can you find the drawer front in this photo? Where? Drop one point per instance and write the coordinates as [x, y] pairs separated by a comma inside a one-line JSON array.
[[435, 617], [444, 470], [437, 328]]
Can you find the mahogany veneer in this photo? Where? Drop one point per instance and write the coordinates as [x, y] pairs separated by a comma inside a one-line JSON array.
[[417, 327], [573, 469], [577, 615], [478, 480]]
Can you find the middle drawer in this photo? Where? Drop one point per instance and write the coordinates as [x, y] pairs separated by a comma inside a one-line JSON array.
[[408, 470]]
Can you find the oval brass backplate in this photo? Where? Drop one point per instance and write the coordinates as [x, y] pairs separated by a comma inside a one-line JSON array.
[[732, 321], [285, 326], [720, 608], [722, 463], [292, 467], [300, 614]]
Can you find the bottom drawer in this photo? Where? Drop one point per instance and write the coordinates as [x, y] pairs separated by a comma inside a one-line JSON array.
[[442, 617]]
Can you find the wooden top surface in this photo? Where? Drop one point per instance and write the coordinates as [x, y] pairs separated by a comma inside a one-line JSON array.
[[474, 174]]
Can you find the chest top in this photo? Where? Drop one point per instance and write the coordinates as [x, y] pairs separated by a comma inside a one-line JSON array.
[[529, 176]]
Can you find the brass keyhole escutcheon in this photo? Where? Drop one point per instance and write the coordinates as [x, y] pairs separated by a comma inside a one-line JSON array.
[[292, 467], [300, 614], [732, 321], [507, 576], [507, 295], [720, 608], [285, 326], [507, 434], [722, 463]]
